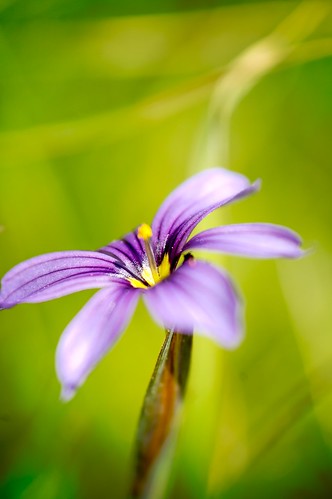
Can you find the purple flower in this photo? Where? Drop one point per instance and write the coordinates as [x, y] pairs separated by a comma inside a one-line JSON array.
[[180, 292]]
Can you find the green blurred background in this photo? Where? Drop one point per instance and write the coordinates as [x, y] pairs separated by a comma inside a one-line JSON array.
[[105, 108]]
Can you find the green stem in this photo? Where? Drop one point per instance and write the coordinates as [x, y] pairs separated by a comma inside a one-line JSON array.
[[161, 410]]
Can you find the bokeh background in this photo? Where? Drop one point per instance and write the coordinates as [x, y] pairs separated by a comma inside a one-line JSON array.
[[105, 107]]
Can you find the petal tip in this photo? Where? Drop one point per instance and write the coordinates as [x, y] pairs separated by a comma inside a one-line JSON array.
[[67, 393], [234, 344], [300, 253], [4, 305]]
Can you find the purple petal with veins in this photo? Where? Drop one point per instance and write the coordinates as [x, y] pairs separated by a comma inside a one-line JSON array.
[[256, 240], [56, 274], [193, 200], [198, 296], [128, 252], [91, 333]]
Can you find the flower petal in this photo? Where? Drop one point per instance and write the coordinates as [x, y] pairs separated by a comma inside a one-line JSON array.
[[128, 252], [201, 297], [256, 240], [185, 207], [91, 333], [55, 274]]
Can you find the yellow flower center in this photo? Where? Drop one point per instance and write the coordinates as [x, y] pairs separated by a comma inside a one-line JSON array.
[[151, 274]]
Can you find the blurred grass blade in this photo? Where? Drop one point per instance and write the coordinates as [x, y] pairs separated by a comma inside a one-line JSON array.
[[160, 412]]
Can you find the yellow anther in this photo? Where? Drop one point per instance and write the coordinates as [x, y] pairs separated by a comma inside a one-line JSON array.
[[144, 232], [136, 283], [148, 276], [150, 273], [164, 268], [152, 278]]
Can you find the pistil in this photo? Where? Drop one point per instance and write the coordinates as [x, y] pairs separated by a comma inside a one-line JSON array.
[[144, 232]]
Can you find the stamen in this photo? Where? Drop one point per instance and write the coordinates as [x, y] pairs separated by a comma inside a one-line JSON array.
[[144, 232]]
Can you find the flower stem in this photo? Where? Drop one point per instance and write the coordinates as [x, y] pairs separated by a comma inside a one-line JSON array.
[[160, 412]]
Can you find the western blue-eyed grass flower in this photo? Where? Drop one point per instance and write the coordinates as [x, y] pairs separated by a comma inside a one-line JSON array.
[[182, 294]]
